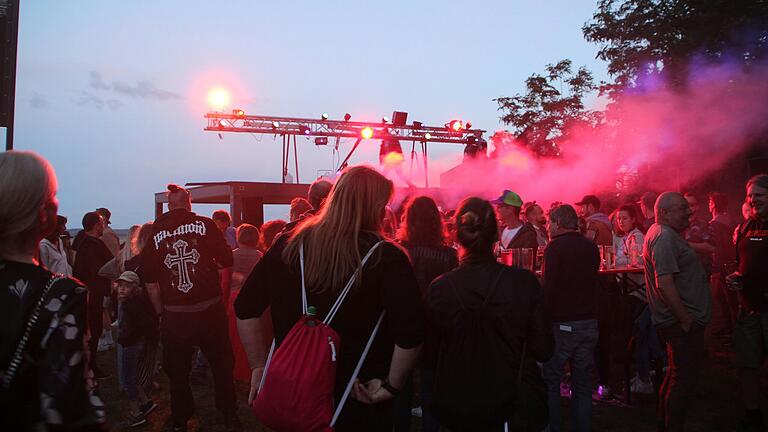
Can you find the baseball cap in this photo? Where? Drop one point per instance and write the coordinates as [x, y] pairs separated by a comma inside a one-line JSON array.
[[129, 276], [589, 199], [104, 212], [509, 198]]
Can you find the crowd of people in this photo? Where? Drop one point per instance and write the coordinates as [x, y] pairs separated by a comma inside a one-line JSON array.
[[353, 310]]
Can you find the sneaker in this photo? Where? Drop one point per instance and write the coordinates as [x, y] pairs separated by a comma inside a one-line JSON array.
[[604, 392], [147, 408], [136, 420], [417, 412], [642, 387]]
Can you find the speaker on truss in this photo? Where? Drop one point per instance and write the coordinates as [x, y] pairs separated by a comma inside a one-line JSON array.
[[399, 118]]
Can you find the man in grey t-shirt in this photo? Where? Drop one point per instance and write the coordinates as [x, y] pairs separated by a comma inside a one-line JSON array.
[[680, 302]]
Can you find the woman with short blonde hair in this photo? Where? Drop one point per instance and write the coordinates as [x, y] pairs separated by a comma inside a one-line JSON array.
[[44, 383]]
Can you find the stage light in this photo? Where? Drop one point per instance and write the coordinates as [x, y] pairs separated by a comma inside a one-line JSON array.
[[218, 98], [455, 125], [347, 116], [238, 112], [321, 141], [304, 130], [324, 116], [468, 125], [275, 124], [366, 132], [418, 124], [427, 136], [385, 119]]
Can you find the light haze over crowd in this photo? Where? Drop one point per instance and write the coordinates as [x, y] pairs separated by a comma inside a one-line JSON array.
[[114, 93]]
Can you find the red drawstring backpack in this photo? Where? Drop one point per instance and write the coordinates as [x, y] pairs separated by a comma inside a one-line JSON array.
[[297, 389]]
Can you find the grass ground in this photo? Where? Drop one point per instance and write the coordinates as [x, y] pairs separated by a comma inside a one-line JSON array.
[[715, 408]]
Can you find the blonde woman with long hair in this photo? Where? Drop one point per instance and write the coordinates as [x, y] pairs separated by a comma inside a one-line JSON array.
[[334, 243]]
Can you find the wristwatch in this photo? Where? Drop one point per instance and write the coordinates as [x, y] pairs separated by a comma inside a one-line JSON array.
[[390, 388]]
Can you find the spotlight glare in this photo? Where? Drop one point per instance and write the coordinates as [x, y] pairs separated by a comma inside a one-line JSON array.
[[275, 124], [238, 112], [366, 132], [218, 98], [427, 136]]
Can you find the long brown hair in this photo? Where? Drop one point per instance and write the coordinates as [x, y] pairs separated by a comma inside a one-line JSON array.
[[422, 224], [330, 238]]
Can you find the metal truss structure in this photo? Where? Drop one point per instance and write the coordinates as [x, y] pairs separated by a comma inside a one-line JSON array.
[[322, 128]]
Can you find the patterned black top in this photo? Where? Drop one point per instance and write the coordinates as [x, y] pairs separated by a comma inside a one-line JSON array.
[[53, 389]]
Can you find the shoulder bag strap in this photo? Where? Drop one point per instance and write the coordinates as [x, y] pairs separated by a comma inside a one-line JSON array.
[[493, 287], [18, 355], [348, 287], [357, 370]]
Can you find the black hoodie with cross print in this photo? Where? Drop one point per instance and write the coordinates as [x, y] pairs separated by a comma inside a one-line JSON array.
[[184, 256]]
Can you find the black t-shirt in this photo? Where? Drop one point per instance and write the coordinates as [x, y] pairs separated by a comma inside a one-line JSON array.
[[570, 271], [752, 250], [388, 284], [184, 255], [92, 254]]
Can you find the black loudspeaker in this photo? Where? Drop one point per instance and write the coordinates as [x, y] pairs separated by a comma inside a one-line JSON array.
[[9, 24], [399, 118]]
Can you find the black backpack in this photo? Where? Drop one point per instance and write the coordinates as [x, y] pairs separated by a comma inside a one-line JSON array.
[[476, 384]]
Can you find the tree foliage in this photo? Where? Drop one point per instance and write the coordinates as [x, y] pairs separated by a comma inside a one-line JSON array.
[[640, 37], [552, 106]]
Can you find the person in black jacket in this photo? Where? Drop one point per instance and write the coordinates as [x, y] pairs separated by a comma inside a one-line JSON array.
[[570, 271], [92, 254], [137, 325], [423, 236], [181, 265], [517, 299], [516, 233]]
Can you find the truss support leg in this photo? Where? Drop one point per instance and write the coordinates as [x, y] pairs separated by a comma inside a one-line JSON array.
[[424, 154], [284, 168], [296, 159]]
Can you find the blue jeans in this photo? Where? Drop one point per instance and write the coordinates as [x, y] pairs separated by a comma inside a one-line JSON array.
[[574, 341], [647, 343], [130, 369]]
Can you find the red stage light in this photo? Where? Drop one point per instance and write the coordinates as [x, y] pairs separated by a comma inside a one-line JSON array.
[[366, 132], [238, 112], [455, 125]]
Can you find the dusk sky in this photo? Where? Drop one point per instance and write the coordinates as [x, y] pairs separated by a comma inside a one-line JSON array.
[[114, 93]]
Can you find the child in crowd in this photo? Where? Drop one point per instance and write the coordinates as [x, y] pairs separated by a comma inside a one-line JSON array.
[[137, 324]]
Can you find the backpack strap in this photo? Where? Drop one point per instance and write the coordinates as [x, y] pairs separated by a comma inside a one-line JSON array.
[[348, 287], [18, 355], [493, 287], [359, 365]]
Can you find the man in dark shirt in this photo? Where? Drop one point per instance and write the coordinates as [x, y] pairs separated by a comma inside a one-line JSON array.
[[571, 263], [646, 203], [181, 269], [750, 338], [92, 253]]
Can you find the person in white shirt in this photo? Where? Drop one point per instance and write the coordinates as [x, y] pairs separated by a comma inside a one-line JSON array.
[[52, 253]]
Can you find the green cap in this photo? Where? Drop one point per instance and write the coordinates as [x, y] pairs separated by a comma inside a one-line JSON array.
[[509, 198], [311, 311]]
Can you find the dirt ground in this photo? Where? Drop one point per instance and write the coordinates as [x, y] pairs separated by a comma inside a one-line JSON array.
[[715, 408]]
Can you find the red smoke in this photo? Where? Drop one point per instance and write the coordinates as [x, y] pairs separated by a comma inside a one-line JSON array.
[[678, 136]]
